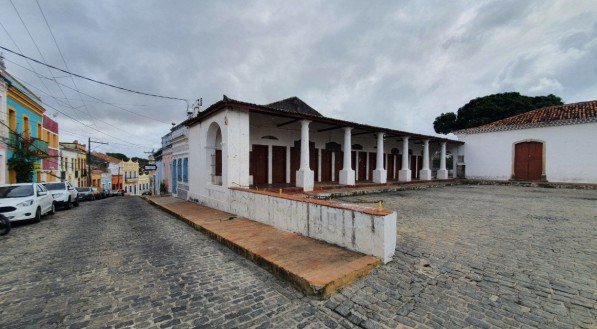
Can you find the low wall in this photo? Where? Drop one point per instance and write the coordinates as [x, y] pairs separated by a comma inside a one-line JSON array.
[[357, 228]]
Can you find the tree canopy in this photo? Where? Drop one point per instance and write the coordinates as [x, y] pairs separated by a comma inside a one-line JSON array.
[[487, 109], [118, 156]]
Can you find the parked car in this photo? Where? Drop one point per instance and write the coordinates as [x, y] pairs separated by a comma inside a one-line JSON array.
[[117, 192], [105, 193], [25, 201], [97, 194], [64, 194], [85, 194]]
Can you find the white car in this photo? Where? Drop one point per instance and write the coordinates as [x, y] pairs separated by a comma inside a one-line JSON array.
[[65, 195], [25, 201]]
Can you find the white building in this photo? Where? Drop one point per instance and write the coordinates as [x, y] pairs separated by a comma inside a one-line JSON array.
[[556, 144], [178, 160]]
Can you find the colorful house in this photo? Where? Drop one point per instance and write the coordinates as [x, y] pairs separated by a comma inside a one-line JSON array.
[[50, 165], [25, 114], [3, 130]]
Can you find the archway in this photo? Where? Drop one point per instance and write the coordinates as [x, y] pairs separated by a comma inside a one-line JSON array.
[[213, 149]]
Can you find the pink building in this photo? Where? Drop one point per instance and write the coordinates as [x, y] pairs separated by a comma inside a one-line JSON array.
[[51, 165]]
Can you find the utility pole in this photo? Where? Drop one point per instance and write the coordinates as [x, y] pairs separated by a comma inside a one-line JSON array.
[[89, 141]]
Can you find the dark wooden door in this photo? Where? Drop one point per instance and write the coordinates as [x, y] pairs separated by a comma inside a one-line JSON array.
[[278, 164], [353, 161], [372, 164], [416, 164], [218, 163], [390, 166], [338, 164], [258, 164], [314, 162], [362, 165], [326, 165], [528, 161], [295, 162]]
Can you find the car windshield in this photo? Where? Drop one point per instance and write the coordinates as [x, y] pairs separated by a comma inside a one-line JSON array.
[[83, 189], [55, 186], [16, 191]]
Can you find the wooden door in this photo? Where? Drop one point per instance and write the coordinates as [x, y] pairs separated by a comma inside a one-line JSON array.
[[390, 166], [413, 167], [372, 164], [278, 164], [314, 162], [326, 165], [338, 164], [295, 162], [362, 159], [528, 161], [218, 171], [258, 164]]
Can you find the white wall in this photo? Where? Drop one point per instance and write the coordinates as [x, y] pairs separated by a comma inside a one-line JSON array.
[[570, 152]]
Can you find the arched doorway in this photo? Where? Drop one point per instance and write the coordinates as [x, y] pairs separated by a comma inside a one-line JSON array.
[[213, 151], [528, 161]]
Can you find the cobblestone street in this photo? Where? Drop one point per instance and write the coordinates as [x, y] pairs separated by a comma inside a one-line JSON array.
[[482, 256]]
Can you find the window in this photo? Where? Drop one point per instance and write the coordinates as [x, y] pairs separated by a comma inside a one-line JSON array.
[[179, 174], [12, 119], [26, 127], [185, 171], [39, 132]]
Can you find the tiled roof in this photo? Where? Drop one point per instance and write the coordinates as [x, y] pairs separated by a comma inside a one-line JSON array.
[[558, 115], [294, 104]]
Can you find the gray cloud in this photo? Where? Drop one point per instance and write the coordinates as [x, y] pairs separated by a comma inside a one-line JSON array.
[[382, 63]]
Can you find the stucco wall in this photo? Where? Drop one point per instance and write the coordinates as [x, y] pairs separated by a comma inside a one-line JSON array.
[[355, 230], [570, 153]]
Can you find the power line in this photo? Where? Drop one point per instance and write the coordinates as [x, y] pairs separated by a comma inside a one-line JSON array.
[[93, 80], [63, 60]]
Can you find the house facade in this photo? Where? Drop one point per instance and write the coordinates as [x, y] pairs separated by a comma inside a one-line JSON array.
[[73, 163], [3, 130], [179, 161], [51, 165], [555, 144]]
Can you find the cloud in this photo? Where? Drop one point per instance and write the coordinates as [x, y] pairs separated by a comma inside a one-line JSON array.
[[383, 63]]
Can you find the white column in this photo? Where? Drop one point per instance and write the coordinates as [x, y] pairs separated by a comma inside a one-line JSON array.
[[269, 164], [287, 164], [425, 173], [380, 175], [404, 174], [347, 175], [442, 173], [305, 176]]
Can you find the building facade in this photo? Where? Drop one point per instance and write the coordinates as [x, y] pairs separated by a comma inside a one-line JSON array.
[[3, 130], [555, 144], [51, 171], [24, 118], [73, 163]]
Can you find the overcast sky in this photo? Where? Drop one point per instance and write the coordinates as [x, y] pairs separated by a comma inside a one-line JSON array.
[[392, 64]]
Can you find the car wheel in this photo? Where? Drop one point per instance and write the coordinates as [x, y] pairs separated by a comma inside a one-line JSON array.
[[4, 225], [37, 217], [53, 209], [69, 204], [76, 203]]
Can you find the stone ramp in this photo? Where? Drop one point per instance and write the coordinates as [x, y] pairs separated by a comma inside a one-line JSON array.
[[315, 267]]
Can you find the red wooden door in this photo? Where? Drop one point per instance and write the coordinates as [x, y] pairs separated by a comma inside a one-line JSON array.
[[278, 164], [372, 163], [338, 164], [258, 164], [390, 166], [362, 158], [326, 165], [528, 161], [295, 162]]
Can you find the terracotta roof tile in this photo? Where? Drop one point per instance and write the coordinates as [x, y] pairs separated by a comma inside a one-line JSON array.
[[547, 116]]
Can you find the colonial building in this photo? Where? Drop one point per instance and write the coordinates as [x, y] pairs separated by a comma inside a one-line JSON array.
[[51, 164], [555, 144], [288, 143], [73, 163], [24, 116], [3, 130]]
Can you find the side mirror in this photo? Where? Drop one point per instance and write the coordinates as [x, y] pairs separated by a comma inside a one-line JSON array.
[[42, 193], [70, 188]]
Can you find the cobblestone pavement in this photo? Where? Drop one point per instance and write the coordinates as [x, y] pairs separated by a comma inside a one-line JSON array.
[[479, 256], [120, 262], [483, 256]]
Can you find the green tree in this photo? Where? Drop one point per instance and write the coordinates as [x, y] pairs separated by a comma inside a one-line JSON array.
[[118, 156], [487, 109], [24, 157]]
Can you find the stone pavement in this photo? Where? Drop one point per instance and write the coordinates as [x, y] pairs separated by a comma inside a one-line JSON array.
[[476, 256], [315, 267]]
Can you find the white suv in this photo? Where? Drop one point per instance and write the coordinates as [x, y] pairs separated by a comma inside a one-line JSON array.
[[25, 201], [65, 195]]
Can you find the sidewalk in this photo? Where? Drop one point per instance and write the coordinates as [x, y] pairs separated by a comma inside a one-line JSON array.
[[314, 267]]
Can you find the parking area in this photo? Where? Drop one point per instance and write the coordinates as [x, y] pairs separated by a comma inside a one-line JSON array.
[[484, 256]]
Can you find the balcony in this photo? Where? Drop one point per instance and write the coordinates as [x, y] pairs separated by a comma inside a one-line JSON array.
[[131, 179], [37, 145]]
